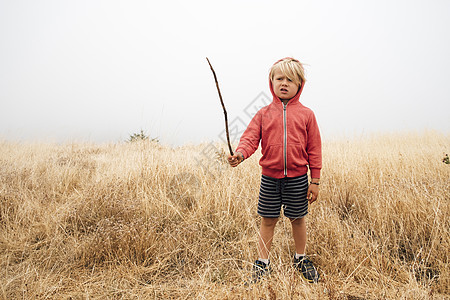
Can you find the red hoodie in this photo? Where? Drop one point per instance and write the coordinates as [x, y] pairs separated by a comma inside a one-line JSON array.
[[290, 138]]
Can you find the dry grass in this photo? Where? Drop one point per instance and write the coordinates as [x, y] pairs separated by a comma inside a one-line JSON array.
[[139, 220]]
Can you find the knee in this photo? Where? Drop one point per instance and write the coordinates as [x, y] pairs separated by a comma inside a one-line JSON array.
[[297, 222], [269, 222]]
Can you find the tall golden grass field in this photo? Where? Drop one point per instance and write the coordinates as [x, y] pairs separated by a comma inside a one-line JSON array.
[[141, 220]]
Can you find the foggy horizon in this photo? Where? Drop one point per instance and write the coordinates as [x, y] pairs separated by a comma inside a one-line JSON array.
[[101, 71]]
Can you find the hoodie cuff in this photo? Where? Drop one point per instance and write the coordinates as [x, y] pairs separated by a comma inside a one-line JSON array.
[[242, 151], [315, 173]]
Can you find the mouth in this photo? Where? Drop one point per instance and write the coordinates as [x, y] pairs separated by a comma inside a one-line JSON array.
[[283, 90]]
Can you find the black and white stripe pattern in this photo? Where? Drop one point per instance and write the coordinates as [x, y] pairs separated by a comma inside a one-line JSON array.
[[289, 193]]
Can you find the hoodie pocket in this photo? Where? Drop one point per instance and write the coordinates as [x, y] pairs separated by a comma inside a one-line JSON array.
[[297, 156], [272, 157]]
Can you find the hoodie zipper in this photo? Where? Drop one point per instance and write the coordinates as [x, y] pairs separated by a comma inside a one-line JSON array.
[[285, 139]]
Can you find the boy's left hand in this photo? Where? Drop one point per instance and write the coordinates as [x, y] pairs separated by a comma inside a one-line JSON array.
[[313, 193]]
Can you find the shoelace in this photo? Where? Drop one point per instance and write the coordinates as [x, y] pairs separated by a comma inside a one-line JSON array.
[[308, 265]]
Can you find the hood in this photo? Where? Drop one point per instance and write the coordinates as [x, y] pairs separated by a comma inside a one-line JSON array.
[[275, 97]]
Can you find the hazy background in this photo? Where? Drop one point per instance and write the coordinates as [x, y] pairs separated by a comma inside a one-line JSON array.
[[101, 70]]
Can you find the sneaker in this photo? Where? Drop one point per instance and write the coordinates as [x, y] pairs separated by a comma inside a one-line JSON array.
[[260, 269], [306, 268]]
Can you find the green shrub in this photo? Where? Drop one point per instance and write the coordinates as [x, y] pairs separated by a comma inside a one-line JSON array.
[[446, 159], [141, 136]]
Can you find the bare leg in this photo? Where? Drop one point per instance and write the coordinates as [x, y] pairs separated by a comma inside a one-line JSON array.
[[299, 234], [266, 236]]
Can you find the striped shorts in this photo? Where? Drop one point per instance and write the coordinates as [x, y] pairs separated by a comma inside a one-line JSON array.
[[289, 193]]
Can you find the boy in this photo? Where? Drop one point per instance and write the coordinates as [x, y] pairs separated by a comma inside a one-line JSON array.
[[291, 143]]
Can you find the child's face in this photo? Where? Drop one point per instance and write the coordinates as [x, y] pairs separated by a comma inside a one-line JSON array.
[[283, 87]]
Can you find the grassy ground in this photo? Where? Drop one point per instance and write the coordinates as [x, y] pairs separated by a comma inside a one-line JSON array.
[[139, 220]]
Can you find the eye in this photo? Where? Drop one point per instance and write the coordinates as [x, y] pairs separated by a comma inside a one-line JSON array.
[[290, 79]]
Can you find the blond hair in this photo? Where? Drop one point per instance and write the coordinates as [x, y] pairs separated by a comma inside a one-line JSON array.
[[291, 68]]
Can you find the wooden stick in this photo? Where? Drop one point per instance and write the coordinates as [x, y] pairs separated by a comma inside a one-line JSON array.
[[223, 106]]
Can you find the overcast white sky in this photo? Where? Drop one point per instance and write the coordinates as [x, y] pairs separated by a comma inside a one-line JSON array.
[[101, 70]]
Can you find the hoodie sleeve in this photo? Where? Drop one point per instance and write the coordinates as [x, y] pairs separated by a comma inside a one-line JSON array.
[[314, 147], [249, 141]]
